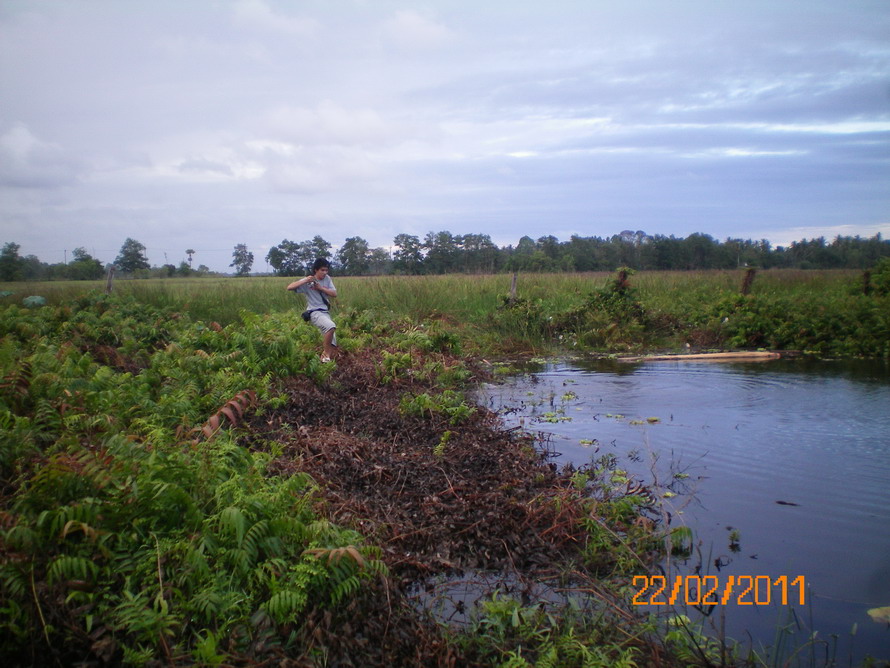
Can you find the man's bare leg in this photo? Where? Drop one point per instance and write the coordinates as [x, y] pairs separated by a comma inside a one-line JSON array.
[[330, 350]]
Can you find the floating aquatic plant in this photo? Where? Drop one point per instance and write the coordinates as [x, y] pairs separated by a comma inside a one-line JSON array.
[[880, 615]]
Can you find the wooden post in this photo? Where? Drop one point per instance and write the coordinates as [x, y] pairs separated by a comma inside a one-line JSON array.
[[748, 280], [109, 282], [513, 288]]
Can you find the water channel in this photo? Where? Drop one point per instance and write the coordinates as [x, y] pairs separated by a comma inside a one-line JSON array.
[[780, 468]]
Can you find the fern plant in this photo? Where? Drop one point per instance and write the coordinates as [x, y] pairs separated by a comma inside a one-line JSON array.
[[136, 528]]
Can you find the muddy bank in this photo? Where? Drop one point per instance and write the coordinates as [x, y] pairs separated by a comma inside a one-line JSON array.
[[479, 497]]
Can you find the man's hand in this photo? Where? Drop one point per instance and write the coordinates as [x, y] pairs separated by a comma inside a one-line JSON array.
[[301, 282]]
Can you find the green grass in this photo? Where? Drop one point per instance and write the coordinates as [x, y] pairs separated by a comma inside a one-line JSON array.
[[822, 311], [467, 298]]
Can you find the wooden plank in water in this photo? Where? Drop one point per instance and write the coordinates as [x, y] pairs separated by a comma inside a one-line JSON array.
[[755, 356]]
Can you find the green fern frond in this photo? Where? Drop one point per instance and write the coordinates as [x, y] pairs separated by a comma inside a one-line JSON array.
[[269, 572], [285, 604], [255, 537], [548, 656], [16, 384], [138, 616], [290, 528], [68, 567], [13, 580], [238, 559], [207, 603], [17, 440], [376, 567], [234, 521], [99, 466], [20, 537], [345, 589]]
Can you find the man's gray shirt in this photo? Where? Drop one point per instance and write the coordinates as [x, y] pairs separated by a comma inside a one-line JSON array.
[[314, 298]]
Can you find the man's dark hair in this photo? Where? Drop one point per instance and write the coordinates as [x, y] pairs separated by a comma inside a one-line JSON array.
[[319, 263]]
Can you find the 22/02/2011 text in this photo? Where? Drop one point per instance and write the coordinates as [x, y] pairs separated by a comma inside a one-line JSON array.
[[709, 590]]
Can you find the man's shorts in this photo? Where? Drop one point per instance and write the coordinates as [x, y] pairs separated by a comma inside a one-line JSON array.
[[322, 320]]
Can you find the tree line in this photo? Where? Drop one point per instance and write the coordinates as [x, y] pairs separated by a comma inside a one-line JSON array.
[[443, 252], [130, 260]]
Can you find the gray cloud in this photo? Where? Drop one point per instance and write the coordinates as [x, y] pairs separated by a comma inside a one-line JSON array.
[[207, 124], [29, 162]]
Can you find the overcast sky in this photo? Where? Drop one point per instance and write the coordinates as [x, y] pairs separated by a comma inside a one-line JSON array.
[[208, 123]]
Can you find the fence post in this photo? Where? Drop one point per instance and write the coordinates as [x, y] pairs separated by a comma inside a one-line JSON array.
[[109, 282], [748, 280]]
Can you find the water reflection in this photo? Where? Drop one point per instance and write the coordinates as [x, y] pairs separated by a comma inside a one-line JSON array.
[[794, 455]]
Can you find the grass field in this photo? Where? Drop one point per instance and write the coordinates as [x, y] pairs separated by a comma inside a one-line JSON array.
[[823, 312]]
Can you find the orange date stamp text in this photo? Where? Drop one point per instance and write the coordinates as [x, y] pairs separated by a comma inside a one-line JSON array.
[[714, 590]]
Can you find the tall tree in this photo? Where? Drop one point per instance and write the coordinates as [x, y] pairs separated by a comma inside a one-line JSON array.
[[10, 262], [310, 250], [286, 258], [33, 269], [550, 246], [528, 256], [663, 253], [242, 260], [480, 253], [379, 261], [701, 251], [314, 249], [190, 252], [526, 246], [442, 250], [354, 257], [131, 257], [408, 259], [586, 253], [84, 267]]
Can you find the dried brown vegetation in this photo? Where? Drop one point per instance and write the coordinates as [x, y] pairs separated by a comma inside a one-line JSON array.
[[437, 497], [485, 501]]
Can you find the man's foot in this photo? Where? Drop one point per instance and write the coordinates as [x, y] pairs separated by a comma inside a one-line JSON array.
[[325, 358]]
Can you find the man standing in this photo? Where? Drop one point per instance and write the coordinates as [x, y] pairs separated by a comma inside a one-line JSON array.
[[318, 287]]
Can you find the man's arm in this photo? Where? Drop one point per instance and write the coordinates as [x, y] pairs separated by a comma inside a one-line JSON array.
[[330, 292], [299, 283]]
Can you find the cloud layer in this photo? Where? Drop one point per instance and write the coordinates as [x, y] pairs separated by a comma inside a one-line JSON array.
[[208, 124]]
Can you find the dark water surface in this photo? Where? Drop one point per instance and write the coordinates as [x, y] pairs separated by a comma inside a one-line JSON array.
[[792, 455]]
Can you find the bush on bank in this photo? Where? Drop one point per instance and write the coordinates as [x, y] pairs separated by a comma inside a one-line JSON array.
[[628, 313]]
